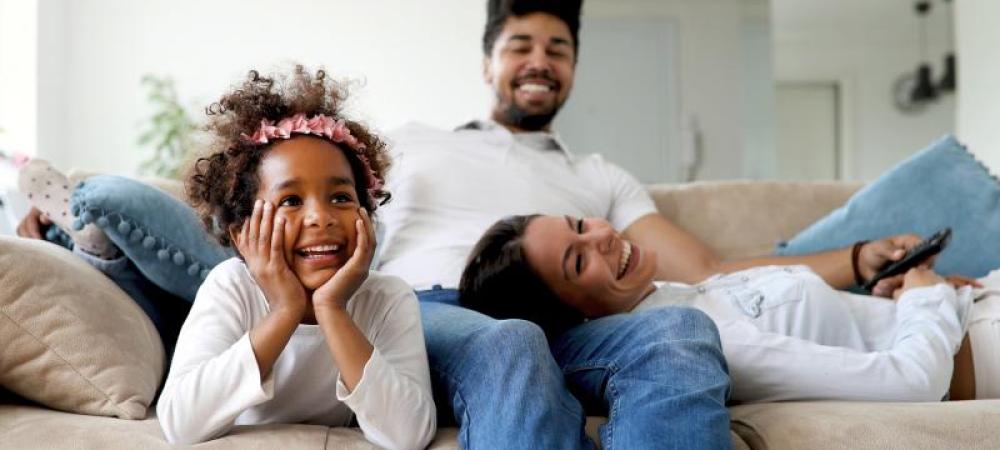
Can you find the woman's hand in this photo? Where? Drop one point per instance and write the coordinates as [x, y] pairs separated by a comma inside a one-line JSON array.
[[918, 277], [342, 285], [877, 254], [261, 242], [959, 281]]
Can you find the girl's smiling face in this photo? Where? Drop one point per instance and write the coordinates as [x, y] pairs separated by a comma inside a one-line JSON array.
[[310, 182]]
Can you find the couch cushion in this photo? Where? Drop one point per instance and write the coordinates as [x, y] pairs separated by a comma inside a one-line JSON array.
[[24, 426], [72, 340], [27, 426], [746, 218], [942, 186], [858, 425]]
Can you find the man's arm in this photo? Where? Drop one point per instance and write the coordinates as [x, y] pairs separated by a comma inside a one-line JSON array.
[[682, 257]]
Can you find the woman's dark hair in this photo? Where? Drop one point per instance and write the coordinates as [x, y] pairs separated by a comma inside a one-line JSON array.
[[498, 11], [223, 185], [498, 282]]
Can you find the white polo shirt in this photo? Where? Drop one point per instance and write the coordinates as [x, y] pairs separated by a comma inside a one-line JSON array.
[[448, 187]]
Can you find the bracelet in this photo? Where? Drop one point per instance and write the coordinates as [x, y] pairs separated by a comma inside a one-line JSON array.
[[855, 251]]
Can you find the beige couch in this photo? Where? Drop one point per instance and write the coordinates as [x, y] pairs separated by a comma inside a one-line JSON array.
[[736, 219]]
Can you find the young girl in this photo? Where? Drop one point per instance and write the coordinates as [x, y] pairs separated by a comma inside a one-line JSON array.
[[786, 334], [296, 329]]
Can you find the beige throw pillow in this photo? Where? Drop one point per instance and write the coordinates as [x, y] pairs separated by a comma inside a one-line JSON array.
[[71, 339]]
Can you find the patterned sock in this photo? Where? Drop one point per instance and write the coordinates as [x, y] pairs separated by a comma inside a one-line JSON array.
[[48, 190]]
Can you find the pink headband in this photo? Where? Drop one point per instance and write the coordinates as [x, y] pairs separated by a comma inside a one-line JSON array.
[[319, 125]]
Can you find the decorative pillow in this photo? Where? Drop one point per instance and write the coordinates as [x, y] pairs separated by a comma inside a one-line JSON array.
[[72, 340], [942, 186]]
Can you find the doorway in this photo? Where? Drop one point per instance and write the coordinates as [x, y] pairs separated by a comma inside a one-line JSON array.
[[808, 132]]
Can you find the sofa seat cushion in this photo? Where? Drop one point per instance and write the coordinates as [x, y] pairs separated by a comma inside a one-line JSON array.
[[24, 426], [72, 340], [859, 425], [30, 426]]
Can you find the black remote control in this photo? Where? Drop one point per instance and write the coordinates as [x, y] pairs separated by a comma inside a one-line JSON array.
[[924, 250]]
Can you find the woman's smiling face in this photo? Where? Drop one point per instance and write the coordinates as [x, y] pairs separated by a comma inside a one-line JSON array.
[[588, 265], [310, 182]]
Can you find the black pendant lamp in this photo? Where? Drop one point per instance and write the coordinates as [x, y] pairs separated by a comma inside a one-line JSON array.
[[947, 83], [924, 89]]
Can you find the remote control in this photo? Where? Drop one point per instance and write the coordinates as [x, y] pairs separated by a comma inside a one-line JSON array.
[[917, 255]]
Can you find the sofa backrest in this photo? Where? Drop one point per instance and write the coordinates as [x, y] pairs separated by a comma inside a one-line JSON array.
[[738, 219], [735, 218]]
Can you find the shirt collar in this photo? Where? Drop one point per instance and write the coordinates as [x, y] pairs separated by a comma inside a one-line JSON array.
[[537, 140]]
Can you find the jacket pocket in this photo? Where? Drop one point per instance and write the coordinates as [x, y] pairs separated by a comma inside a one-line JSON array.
[[768, 290]]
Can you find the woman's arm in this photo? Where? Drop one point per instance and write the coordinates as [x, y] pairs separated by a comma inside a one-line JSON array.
[[682, 257]]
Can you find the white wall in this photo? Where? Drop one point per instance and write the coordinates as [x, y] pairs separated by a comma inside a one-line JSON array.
[[715, 71], [979, 79], [865, 45], [421, 60], [18, 73], [418, 60]]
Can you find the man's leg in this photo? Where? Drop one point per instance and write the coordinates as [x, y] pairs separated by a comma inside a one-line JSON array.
[[497, 379], [659, 375], [159, 234]]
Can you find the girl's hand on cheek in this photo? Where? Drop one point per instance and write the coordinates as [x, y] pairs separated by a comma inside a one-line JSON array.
[[261, 242], [342, 285]]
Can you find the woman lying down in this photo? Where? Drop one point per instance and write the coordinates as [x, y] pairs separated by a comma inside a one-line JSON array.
[[786, 334]]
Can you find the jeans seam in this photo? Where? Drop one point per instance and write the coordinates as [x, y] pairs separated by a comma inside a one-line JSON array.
[[608, 440], [612, 413], [463, 431]]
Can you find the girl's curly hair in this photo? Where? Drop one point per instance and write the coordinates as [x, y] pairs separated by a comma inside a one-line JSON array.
[[223, 185]]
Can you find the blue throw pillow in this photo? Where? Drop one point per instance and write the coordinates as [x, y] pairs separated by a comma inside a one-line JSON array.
[[942, 186]]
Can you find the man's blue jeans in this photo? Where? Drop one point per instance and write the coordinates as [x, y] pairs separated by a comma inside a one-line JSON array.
[[658, 375]]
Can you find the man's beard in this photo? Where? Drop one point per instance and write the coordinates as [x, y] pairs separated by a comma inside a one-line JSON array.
[[517, 117]]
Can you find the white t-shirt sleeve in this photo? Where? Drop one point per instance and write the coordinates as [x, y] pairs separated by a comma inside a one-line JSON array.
[[393, 402], [918, 366], [630, 201], [214, 375]]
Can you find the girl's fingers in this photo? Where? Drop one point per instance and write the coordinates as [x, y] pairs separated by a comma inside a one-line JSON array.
[[363, 237], [362, 251], [369, 228], [278, 240], [254, 223], [266, 228], [241, 237]]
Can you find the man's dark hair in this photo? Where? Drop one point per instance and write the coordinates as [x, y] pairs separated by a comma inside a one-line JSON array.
[[498, 282], [497, 12]]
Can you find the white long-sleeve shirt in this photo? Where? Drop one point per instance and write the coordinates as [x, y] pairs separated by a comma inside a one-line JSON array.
[[787, 335], [214, 381]]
